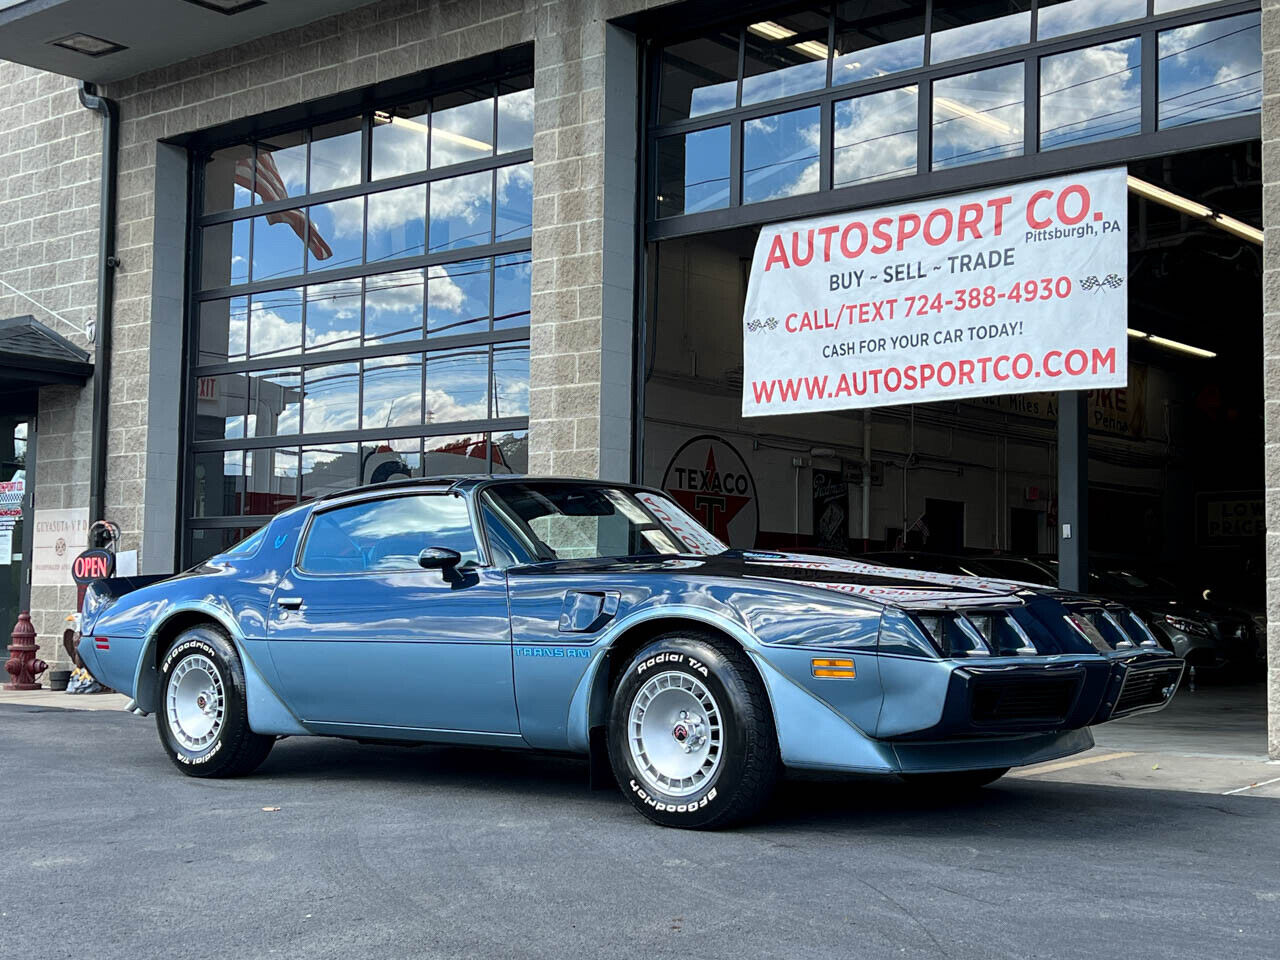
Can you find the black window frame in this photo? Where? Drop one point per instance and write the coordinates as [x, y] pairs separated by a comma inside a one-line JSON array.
[[495, 74], [1032, 163]]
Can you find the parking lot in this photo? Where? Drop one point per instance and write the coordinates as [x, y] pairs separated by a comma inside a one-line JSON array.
[[443, 852]]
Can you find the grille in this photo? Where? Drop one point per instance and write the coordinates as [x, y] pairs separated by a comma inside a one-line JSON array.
[[1144, 688], [1030, 698]]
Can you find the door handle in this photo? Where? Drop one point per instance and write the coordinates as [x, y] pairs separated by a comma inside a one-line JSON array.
[[289, 603]]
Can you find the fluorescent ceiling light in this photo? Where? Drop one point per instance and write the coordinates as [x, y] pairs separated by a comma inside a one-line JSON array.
[[381, 116], [776, 31], [1172, 344], [229, 7], [1174, 201], [972, 115], [88, 45]]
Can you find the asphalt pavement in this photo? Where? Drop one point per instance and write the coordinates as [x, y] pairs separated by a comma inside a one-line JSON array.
[[387, 852]]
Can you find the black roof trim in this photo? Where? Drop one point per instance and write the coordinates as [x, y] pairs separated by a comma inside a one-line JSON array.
[[34, 353]]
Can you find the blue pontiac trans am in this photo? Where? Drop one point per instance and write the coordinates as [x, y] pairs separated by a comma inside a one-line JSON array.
[[600, 619]]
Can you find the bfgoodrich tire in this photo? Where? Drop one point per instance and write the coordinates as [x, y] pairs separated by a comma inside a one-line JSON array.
[[202, 720], [691, 738]]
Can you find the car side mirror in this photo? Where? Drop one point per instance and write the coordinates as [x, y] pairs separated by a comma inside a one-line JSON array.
[[439, 558]]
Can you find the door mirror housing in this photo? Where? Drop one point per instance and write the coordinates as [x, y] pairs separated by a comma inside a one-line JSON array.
[[439, 558]]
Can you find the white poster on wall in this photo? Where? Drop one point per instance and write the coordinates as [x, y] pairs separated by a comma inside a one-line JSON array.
[[59, 536], [1009, 290], [11, 494]]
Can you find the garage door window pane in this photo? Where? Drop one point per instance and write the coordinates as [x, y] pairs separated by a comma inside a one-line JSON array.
[[1057, 18], [511, 381], [461, 127], [512, 290], [391, 393], [400, 140], [693, 172], [970, 27], [457, 385], [327, 469], [224, 254], [221, 403], [466, 453], [335, 155], [978, 116], [877, 37], [515, 115], [515, 203], [1210, 71], [397, 224], [393, 307], [785, 56], [333, 315], [274, 402], [337, 234], [875, 137], [223, 330], [275, 323], [698, 77], [281, 167], [1090, 94], [382, 460], [278, 244], [330, 399], [218, 487], [228, 178], [780, 155], [461, 212], [458, 298]]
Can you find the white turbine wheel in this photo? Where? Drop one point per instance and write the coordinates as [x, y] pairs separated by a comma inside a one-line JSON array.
[[196, 702], [675, 734]]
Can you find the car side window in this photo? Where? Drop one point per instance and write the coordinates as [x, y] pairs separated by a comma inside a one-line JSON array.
[[506, 548], [387, 534]]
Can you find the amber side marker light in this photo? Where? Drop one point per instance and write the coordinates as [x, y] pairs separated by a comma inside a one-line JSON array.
[[833, 668]]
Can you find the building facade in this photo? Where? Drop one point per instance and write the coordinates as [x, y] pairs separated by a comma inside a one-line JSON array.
[[417, 237]]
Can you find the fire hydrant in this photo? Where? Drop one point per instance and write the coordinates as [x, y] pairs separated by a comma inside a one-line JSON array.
[[23, 665]]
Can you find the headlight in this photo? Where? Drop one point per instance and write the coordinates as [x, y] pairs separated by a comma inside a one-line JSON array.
[[1193, 627]]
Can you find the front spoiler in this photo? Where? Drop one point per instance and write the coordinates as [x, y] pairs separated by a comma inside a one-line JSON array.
[[1002, 698]]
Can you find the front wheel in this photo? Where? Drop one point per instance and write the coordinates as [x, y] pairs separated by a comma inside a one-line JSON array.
[[691, 738], [203, 719]]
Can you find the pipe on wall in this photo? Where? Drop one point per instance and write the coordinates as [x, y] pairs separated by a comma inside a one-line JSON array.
[[107, 263]]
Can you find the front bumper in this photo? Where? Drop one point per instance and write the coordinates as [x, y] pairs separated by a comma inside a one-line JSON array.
[[1025, 696]]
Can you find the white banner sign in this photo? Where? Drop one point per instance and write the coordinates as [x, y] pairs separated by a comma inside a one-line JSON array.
[[1011, 290], [59, 536]]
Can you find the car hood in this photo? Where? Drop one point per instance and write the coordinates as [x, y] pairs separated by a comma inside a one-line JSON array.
[[854, 577]]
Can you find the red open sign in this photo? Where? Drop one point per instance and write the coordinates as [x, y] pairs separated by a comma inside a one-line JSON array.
[[93, 564]]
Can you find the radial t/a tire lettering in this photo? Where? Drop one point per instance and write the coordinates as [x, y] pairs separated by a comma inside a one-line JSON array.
[[691, 736], [203, 718]]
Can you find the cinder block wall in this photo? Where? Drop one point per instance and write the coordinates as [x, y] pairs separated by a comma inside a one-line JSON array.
[[583, 242], [50, 160], [1271, 350]]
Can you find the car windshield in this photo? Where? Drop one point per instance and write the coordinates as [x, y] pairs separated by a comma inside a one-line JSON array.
[[1010, 568], [570, 521]]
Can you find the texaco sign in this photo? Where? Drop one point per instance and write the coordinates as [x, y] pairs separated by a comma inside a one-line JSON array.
[[709, 478]]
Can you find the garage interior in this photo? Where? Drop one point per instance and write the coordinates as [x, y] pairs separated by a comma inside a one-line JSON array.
[[1174, 500]]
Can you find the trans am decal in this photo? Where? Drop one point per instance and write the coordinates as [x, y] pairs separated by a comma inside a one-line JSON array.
[[556, 653]]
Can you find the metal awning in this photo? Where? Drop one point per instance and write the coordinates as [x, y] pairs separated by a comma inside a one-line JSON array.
[[106, 41], [33, 355]]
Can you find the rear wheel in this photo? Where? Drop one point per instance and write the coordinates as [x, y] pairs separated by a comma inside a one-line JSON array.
[[203, 720], [691, 739], [956, 781]]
